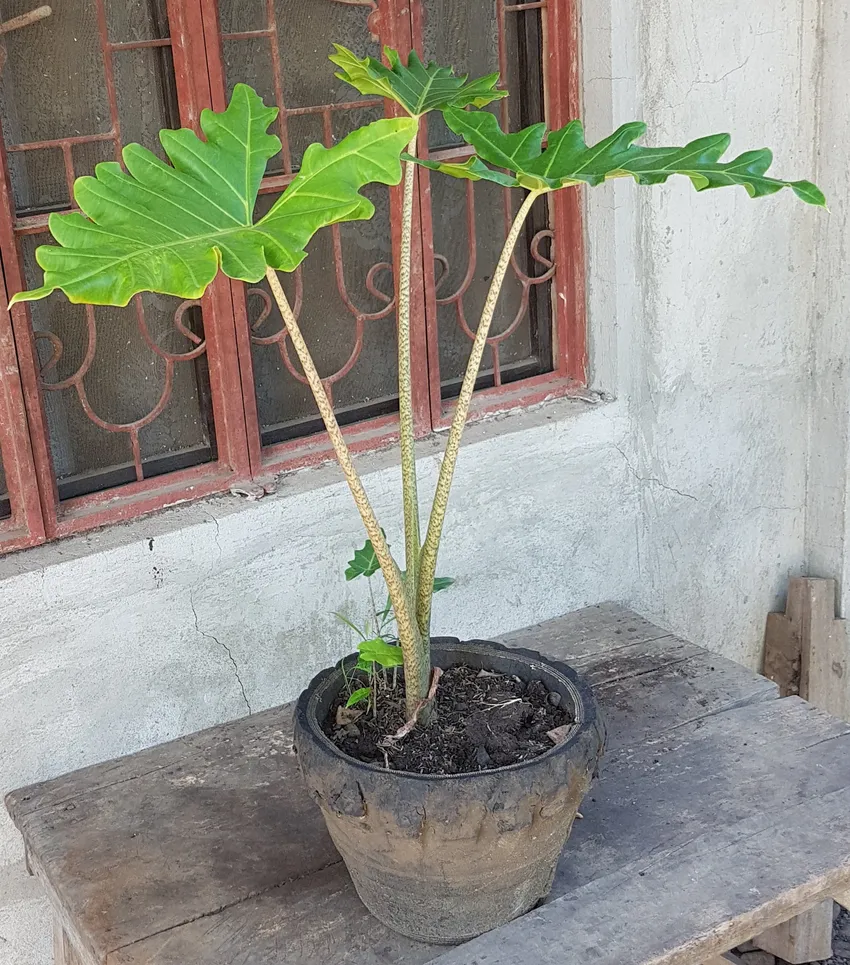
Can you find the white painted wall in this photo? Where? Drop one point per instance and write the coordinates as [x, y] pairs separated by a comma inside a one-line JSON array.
[[719, 468]]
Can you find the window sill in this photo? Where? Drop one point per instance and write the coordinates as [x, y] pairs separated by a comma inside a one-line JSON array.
[[558, 404]]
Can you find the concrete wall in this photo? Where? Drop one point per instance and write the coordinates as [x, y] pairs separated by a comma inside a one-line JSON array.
[[828, 518], [690, 493]]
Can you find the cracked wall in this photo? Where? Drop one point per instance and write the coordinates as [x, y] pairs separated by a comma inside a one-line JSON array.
[[716, 470]]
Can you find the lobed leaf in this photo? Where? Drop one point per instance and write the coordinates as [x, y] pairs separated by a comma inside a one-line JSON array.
[[169, 228], [365, 562], [472, 169], [380, 652], [568, 160], [326, 190], [417, 87]]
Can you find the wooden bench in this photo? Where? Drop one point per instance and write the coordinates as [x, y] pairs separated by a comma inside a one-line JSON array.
[[721, 811]]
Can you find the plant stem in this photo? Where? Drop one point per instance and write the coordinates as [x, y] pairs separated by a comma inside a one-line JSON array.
[[410, 497], [417, 674], [430, 549]]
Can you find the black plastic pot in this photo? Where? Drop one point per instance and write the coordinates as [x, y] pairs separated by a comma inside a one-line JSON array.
[[445, 858]]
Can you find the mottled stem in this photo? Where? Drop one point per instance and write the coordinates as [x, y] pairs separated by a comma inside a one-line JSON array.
[[417, 673], [410, 496], [430, 549]]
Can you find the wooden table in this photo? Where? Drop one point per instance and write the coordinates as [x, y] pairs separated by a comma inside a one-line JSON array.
[[721, 811]]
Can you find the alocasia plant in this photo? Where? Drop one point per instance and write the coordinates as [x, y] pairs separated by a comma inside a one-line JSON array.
[[171, 228]]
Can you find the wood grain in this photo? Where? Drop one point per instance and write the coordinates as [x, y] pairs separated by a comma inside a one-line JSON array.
[[686, 904], [716, 863], [207, 849], [63, 951], [635, 819], [806, 652], [805, 938], [825, 667], [807, 649], [209, 822]]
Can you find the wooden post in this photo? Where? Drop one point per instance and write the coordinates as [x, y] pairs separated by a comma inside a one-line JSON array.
[[825, 663], [843, 899], [806, 652], [806, 649], [806, 938], [728, 959], [63, 952]]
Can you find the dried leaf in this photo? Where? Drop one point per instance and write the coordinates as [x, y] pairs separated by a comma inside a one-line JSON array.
[[560, 734], [347, 715]]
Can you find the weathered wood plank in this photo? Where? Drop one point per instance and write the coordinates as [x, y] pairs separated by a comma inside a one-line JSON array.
[[214, 743], [825, 667], [805, 938], [582, 633], [659, 794], [727, 959], [226, 805], [686, 904], [667, 689], [806, 651], [144, 854], [323, 924], [843, 898], [63, 951], [783, 642], [639, 817]]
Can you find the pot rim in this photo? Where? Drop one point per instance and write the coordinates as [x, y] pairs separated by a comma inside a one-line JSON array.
[[584, 702]]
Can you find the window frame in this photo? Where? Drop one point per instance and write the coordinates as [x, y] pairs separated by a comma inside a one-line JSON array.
[[196, 43]]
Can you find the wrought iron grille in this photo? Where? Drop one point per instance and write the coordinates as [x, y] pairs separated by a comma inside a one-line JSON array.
[[119, 411], [123, 396]]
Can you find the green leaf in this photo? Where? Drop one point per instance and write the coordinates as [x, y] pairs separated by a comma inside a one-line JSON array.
[[418, 88], [442, 583], [326, 190], [344, 619], [380, 652], [568, 160], [472, 169], [365, 563], [359, 695], [169, 228], [515, 152]]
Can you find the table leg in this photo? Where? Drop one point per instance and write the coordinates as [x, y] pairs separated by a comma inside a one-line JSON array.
[[63, 952], [805, 938]]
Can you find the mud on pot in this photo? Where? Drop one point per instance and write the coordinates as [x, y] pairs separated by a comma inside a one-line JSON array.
[[443, 858]]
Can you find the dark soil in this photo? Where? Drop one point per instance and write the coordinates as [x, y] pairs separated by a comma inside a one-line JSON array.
[[481, 720]]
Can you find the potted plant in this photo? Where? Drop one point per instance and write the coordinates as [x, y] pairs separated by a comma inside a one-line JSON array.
[[452, 807]]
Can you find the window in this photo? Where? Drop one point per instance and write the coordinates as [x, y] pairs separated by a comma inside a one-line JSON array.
[[109, 413]]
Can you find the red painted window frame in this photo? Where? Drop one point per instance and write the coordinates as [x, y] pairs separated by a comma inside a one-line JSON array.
[[37, 512]]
